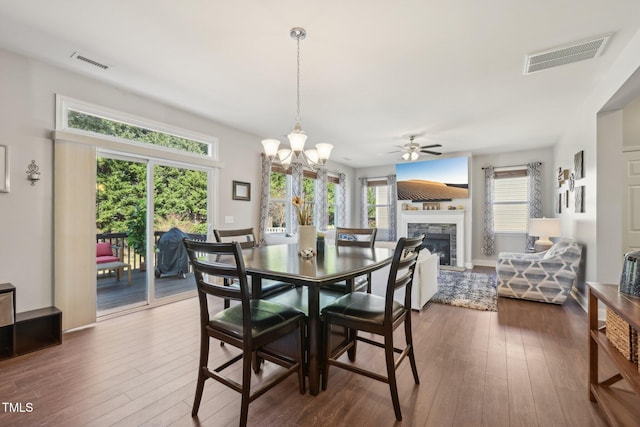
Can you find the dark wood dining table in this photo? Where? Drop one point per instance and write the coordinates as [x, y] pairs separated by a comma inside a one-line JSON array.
[[336, 264]]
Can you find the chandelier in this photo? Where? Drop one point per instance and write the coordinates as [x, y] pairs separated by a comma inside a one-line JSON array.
[[312, 158]]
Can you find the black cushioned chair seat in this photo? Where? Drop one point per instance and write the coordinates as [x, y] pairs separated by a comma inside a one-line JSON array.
[[299, 299], [365, 307], [269, 287], [264, 316]]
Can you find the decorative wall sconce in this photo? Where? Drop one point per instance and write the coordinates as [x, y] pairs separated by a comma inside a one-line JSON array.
[[33, 172]]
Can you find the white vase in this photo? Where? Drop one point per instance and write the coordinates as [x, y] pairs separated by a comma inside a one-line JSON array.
[[306, 237]]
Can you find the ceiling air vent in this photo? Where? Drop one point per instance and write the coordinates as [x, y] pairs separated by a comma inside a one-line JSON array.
[[90, 61], [574, 52]]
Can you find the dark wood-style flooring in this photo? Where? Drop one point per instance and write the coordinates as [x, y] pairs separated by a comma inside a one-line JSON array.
[[524, 365]]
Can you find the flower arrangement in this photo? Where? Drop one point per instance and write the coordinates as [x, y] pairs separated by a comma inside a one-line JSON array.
[[304, 210]]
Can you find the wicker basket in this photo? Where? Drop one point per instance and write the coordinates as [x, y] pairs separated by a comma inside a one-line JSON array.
[[622, 336]]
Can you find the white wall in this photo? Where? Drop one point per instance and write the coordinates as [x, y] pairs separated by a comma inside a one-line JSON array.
[[599, 227], [27, 113]]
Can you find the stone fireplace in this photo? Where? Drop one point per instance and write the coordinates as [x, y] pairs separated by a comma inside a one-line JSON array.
[[444, 231]]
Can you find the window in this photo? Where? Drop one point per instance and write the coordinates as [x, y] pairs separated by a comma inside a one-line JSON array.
[[510, 201], [378, 206], [279, 206], [280, 195], [332, 186]]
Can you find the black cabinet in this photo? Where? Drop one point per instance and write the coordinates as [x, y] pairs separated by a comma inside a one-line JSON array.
[[28, 331]]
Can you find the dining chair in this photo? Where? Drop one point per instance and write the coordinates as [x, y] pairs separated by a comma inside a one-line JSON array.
[[247, 239], [359, 311], [250, 326], [358, 237]]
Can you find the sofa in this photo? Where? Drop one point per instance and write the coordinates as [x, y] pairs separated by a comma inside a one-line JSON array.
[[546, 276], [425, 280]]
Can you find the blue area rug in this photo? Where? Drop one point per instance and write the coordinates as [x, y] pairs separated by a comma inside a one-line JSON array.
[[467, 289]]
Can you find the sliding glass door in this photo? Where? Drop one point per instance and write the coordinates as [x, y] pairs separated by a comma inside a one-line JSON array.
[[143, 209], [180, 210]]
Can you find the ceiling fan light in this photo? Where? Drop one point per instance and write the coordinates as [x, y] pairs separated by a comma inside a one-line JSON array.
[[405, 156], [414, 156]]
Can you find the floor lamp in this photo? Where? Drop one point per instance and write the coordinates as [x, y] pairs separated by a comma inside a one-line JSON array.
[[544, 228]]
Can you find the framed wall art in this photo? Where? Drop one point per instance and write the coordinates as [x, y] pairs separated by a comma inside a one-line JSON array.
[[241, 191], [578, 164], [579, 196], [4, 169]]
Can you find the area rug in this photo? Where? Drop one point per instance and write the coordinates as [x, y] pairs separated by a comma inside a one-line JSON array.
[[467, 289]]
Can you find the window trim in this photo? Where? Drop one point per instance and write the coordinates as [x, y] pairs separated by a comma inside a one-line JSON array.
[[63, 131]]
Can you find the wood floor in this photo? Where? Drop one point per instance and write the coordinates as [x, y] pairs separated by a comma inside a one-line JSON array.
[[524, 365]]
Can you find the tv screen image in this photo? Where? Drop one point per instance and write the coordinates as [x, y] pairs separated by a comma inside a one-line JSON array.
[[439, 179]]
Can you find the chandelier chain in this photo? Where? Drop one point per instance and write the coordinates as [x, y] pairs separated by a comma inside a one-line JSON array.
[[298, 80]]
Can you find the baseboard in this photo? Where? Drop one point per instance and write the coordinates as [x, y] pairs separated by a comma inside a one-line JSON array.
[[484, 262]]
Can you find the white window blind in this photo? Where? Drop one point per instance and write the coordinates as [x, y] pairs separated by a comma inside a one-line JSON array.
[[510, 206]]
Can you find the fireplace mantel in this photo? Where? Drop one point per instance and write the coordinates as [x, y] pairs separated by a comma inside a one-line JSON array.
[[437, 217]]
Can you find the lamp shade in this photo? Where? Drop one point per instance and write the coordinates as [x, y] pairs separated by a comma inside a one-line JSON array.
[[324, 151], [270, 147], [544, 228]]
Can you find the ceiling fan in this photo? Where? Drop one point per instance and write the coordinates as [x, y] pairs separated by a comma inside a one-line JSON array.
[[412, 149]]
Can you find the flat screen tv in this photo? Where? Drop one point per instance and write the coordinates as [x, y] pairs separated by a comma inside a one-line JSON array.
[[433, 180]]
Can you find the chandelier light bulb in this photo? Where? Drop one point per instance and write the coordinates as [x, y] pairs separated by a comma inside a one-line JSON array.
[[270, 147], [324, 151], [312, 156]]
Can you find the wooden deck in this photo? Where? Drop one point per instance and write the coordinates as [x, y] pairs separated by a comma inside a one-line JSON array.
[[113, 293]]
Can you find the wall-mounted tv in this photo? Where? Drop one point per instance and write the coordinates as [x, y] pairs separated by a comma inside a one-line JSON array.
[[431, 180]]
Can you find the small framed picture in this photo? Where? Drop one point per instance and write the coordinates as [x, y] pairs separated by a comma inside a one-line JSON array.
[[578, 164], [579, 199], [241, 191], [431, 206]]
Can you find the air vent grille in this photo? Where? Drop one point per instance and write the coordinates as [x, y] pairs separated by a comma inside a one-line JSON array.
[[90, 61], [574, 52]]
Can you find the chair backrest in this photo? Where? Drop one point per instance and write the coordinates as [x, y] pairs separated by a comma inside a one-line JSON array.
[[401, 271], [219, 260], [362, 237], [244, 236]]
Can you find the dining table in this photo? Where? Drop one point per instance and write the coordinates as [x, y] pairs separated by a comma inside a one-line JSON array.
[[334, 264]]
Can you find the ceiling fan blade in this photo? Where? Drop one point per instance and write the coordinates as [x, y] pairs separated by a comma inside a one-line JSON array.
[[430, 146], [435, 153]]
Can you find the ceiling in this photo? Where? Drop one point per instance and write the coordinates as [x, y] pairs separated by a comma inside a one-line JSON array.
[[372, 72]]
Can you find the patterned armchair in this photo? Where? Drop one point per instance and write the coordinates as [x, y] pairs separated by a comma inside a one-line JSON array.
[[544, 276]]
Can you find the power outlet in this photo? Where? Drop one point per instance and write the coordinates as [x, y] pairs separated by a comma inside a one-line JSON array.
[[228, 220]]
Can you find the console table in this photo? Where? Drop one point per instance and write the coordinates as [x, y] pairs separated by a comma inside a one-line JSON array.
[[620, 407]]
